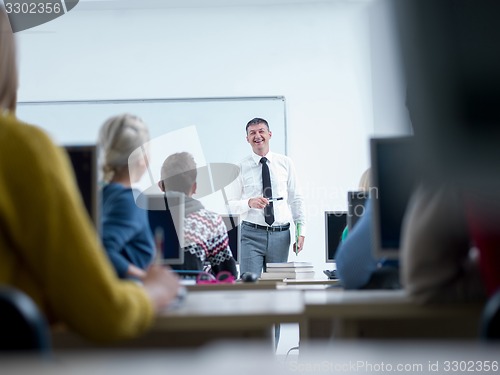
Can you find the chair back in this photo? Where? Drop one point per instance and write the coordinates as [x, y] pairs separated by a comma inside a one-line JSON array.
[[490, 319], [22, 326]]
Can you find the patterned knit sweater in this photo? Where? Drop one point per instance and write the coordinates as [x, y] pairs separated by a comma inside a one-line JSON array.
[[205, 240]]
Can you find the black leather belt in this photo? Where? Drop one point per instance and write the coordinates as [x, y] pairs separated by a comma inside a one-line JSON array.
[[277, 228]]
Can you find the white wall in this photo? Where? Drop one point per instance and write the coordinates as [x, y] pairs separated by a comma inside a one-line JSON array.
[[316, 54], [390, 115]]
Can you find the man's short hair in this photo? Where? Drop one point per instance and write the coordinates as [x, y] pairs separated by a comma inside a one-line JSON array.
[[178, 172], [256, 121]]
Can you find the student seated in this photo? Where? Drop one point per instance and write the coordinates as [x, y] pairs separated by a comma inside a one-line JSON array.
[[439, 259], [205, 235], [453, 100], [364, 185], [49, 248], [125, 229], [356, 266]]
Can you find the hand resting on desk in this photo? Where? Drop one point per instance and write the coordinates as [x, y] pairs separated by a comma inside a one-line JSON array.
[[162, 286]]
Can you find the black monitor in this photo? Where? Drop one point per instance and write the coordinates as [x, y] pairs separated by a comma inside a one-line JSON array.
[[394, 177], [335, 223], [356, 201], [233, 226], [166, 220], [84, 161]]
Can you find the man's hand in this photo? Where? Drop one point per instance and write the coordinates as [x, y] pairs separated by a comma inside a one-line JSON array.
[[258, 202], [297, 247]]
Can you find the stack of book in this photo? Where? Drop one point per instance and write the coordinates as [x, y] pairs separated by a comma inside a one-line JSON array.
[[289, 270]]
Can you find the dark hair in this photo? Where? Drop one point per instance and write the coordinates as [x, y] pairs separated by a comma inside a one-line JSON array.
[[256, 121]]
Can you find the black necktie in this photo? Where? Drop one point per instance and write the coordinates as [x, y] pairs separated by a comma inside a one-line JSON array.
[[267, 191]]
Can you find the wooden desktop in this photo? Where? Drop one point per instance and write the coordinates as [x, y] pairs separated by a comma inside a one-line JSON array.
[[211, 314], [341, 357], [205, 317], [384, 314]]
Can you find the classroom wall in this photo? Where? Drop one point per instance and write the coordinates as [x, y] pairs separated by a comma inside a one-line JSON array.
[[316, 54]]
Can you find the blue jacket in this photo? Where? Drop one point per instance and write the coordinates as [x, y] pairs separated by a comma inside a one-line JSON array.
[[125, 230], [354, 259]]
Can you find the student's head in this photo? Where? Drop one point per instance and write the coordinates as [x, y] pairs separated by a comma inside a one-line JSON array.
[[8, 69], [365, 182], [118, 138], [258, 135], [178, 173], [451, 59]]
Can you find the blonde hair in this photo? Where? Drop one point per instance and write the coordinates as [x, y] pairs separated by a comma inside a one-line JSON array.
[[365, 182], [178, 172], [118, 137], [8, 65]]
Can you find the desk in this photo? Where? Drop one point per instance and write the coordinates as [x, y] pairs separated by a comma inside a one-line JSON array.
[[306, 285], [386, 357], [206, 317], [286, 284], [384, 314], [429, 357], [235, 286]]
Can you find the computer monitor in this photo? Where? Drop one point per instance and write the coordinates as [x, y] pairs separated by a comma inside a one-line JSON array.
[[394, 177], [166, 221], [84, 161], [233, 226], [356, 201], [335, 223]]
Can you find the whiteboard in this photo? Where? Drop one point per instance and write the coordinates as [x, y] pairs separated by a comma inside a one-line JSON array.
[[211, 129], [220, 122]]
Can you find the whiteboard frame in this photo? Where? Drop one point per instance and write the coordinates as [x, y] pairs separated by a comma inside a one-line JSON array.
[[162, 100]]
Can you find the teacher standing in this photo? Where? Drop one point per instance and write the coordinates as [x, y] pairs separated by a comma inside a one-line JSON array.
[[267, 195]]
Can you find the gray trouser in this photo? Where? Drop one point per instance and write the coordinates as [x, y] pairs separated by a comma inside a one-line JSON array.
[[259, 246]]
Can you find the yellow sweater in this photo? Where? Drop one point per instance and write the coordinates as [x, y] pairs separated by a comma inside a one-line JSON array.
[[49, 248]]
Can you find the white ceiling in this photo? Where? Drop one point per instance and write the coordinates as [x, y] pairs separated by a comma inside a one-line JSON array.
[[153, 4]]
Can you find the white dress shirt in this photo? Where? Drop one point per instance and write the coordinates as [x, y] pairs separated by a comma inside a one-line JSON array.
[[283, 183]]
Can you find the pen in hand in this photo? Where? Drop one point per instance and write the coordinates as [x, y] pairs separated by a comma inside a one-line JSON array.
[[275, 199], [298, 230]]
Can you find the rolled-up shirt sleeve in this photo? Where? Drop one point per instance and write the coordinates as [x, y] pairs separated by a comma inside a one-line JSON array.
[[296, 199]]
